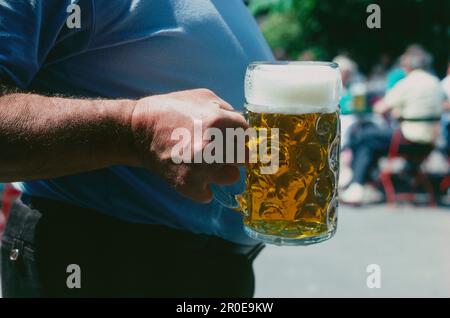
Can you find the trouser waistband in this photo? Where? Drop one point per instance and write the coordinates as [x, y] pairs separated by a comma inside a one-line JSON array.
[[63, 213]]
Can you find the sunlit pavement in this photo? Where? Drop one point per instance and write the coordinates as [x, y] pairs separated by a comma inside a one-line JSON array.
[[411, 245]]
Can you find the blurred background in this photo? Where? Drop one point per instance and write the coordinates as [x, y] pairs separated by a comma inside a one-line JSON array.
[[323, 29], [394, 176]]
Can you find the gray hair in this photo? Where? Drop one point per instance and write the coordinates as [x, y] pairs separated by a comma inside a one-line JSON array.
[[414, 61], [416, 57], [345, 64]]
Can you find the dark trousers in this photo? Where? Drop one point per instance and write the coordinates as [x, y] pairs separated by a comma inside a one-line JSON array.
[[372, 143], [368, 146], [115, 258]]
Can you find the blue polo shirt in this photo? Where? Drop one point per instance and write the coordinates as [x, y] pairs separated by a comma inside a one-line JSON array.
[[131, 49]]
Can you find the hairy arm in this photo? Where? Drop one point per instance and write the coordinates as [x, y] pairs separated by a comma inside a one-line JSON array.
[[43, 137]]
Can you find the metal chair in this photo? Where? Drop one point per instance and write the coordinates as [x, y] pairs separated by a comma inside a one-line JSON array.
[[415, 154]]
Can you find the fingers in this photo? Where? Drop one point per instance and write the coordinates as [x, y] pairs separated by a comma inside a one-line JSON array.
[[228, 119], [209, 94], [198, 187], [220, 102], [193, 180], [236, 119], [229, 113], [223, 104]]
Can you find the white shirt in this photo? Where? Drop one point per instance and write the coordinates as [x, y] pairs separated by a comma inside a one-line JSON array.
[[417, 96]]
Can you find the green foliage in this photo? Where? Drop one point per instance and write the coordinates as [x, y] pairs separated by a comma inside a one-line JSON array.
[[282, 30], [262, 6], [329, 27]]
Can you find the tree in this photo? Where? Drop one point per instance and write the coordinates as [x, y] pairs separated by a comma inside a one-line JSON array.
[[329, 27]]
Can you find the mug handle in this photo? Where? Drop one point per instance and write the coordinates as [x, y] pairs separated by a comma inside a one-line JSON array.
[[221, 194], [224, 198]]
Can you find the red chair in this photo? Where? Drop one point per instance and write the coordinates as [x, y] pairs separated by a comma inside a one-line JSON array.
[[445, 183], [9, 195], [415, 154]]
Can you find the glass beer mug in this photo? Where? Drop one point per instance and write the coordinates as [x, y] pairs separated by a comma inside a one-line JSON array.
[[294, 201]]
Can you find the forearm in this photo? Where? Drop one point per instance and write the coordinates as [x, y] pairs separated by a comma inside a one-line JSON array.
[[44, 137]]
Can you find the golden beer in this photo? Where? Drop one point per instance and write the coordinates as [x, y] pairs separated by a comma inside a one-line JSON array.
[[297, 204], [299, 201], [290, 195]]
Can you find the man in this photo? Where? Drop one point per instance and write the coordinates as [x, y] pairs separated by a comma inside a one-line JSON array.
[[397, 73], [416, 101], [105, 211], [348, 69], [444, 141], [446, 83], [445, 122]]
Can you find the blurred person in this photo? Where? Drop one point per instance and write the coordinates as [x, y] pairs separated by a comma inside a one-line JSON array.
[[347, 68], [307, 55], [353, 112], [446, 82], [397, 73], [280, 54], [377, 80], [86, 116], [445, 122], [416, 102], [376, 83], [419, 51], [443, 142], [352, 81]]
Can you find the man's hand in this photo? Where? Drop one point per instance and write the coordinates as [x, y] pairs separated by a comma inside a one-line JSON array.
[[45, 137], [155, 118]]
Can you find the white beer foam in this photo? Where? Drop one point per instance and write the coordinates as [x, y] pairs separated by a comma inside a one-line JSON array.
[[297, 88]]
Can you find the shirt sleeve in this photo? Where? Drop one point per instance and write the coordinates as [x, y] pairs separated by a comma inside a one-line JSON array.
[[28, 31]]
